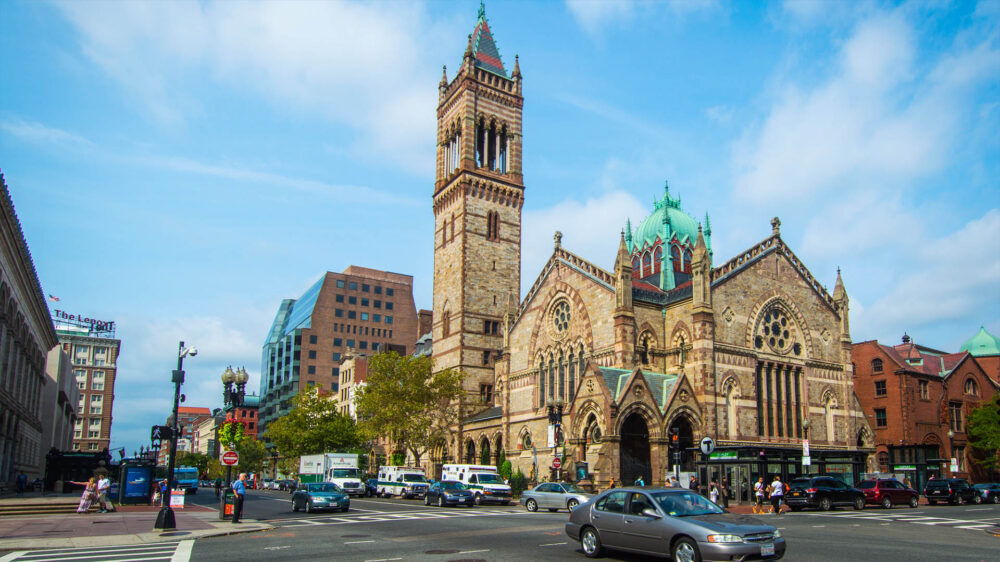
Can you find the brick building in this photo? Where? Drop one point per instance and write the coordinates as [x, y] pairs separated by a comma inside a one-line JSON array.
[[189, 419], [917, 400], [247, 414], [362, 309], [754, 353], [93, 351]]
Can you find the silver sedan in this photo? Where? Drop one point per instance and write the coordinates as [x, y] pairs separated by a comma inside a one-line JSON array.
[[678, 523], [554, 496]]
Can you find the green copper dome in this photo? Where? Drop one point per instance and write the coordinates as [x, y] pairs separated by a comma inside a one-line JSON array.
[[983, 343], [679, 223]]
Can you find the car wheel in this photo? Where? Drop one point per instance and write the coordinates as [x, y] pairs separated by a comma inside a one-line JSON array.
[[977, 499], [685, 550], [954, 499], [591, 542], [295, 506], [440, 501], [886, 503], [571, 504], [427, 500], [309, 508], [914, 502], [859, 504], [825, 504], [996, 498], [531, 505], [479, 499]]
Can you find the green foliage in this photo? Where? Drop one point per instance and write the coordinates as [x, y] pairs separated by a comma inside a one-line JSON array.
[[288, 466], [252, 455], [405, 403], [983, 431], [398, 458], [215, 469], [484, 456], [313, 426], [505, 468], [518, 483], [231, 434], [197, 460]]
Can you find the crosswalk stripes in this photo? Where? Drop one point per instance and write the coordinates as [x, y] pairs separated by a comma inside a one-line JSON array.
[[917, 519], [173, 551], [396, 516]]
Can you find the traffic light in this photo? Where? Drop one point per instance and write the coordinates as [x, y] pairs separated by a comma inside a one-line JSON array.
[[675, 438]]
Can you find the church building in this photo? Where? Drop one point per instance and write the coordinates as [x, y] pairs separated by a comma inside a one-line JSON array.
[[622, 373]]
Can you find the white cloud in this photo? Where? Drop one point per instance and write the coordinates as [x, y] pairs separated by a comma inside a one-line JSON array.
[[37, 133], [590, 230], [331, 59]]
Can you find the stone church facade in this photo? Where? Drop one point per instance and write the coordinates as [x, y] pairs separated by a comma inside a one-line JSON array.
[[754, 353]]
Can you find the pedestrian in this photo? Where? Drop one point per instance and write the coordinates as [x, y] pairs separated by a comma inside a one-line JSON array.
[[639, 482], [22, 483], [88, 496], [758, 507], [713, 492], [777, 493], [906, 482], [240, 490], [693, 483], [724, 490], [164, 493], [103, 485], [218, 487], [613, 483]]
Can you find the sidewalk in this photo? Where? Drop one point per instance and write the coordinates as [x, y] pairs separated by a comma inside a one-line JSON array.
[[130, 525]]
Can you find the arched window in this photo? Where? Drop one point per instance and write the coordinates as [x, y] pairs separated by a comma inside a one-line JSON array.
[[971, 388], [452, 237], [444, 232], [552, 378], [583, 363], [647, 264], [657, 259], [492, 225], [675, 255], [687, 261], [731, 413], [572, 378], [876, 365], [562, 378], [446, 324], [883, 461], [635, 266], [541, 382], [526, 440]]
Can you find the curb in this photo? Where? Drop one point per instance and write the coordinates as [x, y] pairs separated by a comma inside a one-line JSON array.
[[132, 539], [995, 531]]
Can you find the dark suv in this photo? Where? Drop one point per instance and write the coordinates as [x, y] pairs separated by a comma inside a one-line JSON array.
[[822, 492], [888, 492], [952, 490]]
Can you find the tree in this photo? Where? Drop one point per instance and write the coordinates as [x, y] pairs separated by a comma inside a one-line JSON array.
[[983, 431], [197, 460], [405, 403], [252, 454], [231, 434], [312, 426]]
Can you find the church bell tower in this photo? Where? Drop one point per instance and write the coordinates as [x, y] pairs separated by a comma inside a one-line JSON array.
[[478, 194]]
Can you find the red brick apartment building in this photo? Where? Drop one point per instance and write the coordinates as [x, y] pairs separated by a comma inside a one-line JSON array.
[[917, 400]]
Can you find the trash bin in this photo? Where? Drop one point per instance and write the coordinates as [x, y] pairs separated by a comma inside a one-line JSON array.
[[226, 504]]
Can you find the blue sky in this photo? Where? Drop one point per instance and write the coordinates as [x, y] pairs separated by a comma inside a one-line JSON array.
[[181, 167]]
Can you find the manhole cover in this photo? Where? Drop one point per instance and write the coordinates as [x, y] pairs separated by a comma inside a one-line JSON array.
[[355, 536], [441, 551]]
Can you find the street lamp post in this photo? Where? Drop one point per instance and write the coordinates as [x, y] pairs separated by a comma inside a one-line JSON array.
[[233, 393], [165, 518], [555, 419], [951, 451]]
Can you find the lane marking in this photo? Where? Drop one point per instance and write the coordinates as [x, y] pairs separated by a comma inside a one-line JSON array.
[[473, 551], [818, 526], [981, 509], [183, 552], [357, 542], [383, 559], [14, 555], [553, 544]]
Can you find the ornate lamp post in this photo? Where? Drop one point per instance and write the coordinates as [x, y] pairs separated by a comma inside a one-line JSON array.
[[165, 518], [233, 393], [951, 450], [555, 421]]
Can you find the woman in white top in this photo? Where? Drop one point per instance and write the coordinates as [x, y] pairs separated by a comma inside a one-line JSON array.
[[777, 492]]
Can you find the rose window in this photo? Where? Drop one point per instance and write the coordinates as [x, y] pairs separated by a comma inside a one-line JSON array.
[[776, 330], [560, 317]]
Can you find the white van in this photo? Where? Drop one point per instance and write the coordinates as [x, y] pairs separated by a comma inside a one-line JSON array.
[[482, 480], [402, 481]]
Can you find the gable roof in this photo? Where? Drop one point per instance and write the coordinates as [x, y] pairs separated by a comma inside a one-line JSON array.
[[660, 384], [915, 358], [561, 256]]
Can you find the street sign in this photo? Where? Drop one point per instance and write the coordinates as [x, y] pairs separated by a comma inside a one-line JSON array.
[[556, 463], [230, 458], [806, 460], [160, 433], [954, 464], [707, 446], [805, 447]]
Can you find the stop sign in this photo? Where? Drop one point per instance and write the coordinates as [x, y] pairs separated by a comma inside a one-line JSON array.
[[230, 458], [556, 463]]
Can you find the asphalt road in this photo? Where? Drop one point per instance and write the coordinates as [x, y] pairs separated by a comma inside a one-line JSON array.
[[390, 529]]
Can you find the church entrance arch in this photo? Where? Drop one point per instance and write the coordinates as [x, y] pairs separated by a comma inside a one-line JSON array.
[[634, 450]]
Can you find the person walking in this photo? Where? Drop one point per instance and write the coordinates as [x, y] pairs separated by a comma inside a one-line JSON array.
[[639, 482], [218, 487], [89, 491], [713, 492], [103, 485], [22, 483], [724, 490], [613, 483], [240, 490], [758, 507], [777, 493]]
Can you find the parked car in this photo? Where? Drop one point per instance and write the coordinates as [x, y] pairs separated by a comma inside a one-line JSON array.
[[679, 523], [822, 492], [888, 492], [287, 485], [268, 484], [988, 492], [320, 495], [371, 487], [554, 496], [955, 491], [449, 492]]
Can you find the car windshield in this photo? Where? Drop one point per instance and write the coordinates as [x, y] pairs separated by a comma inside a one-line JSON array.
[[490, 479], [574, 488], [414, 478], [981, 486], [685, 504], [866, 485], [325, 487], [452, 486], [801, 482], [346, 473]]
